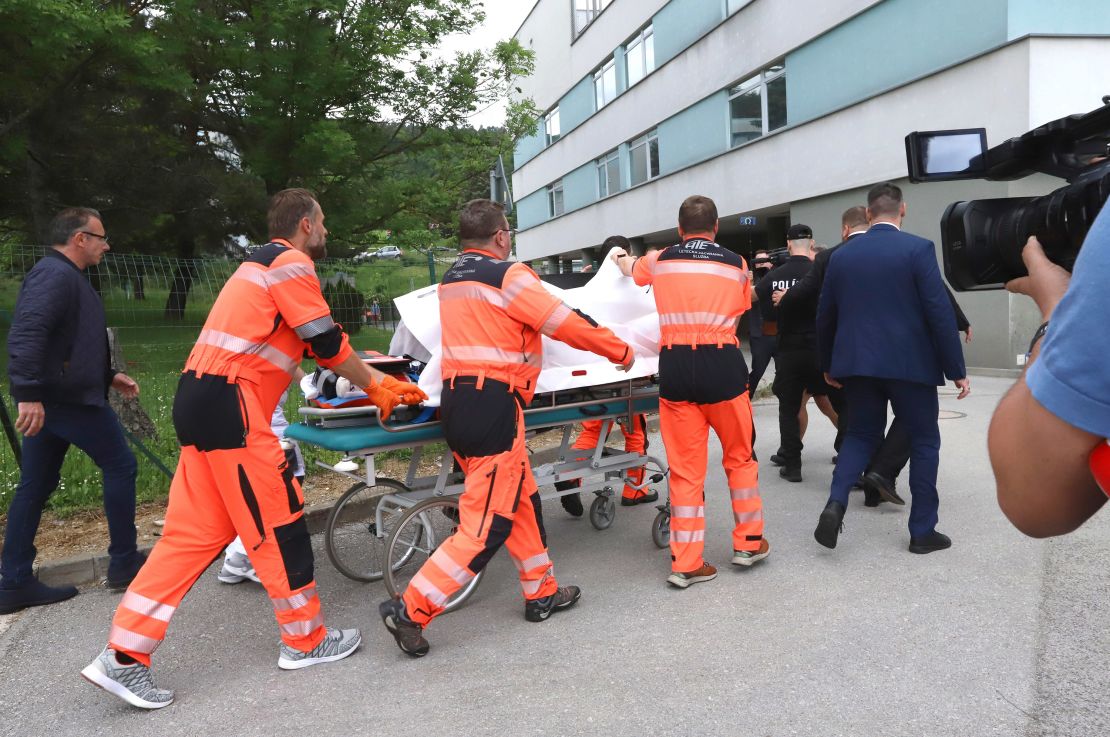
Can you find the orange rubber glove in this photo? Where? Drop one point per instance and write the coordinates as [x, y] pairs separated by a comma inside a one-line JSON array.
[[385, 399], [410, 393]]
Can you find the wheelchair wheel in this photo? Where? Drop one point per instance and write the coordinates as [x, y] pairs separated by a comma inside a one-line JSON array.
[[603, 511], [661, 529], [355, 537], [416, 536]]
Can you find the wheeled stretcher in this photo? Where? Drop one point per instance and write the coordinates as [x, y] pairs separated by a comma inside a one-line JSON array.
[[383, 528]]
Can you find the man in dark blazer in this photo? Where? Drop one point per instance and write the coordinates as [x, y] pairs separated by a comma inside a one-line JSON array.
[[884, 333]]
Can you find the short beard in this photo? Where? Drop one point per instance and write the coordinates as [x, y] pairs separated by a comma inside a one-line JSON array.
[[317, 251]]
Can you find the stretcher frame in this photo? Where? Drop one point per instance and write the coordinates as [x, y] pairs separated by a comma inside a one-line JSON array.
[[360, 435]]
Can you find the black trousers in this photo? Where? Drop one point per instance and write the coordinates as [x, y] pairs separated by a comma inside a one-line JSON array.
[[763, 349], [894, 452], [796, 372]]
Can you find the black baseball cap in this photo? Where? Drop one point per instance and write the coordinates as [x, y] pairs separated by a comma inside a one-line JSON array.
[[798, 231]]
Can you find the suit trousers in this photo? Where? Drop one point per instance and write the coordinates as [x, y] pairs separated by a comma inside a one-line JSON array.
[[894, 452], [916, 406]]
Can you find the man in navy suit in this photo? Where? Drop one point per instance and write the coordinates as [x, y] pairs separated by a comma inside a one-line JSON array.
[[884, 332]]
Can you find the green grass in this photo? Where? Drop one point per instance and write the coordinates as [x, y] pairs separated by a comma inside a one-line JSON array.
[[155, 351]]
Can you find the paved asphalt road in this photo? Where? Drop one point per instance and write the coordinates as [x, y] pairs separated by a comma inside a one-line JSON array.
[[1001, 635]]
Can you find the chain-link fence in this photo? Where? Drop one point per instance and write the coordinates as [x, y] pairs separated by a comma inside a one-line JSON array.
[[157, 306]]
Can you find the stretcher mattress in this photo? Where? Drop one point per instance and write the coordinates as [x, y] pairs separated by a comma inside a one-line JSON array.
[[375, 437]]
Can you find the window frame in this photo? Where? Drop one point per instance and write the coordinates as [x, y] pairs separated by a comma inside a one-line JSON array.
[[645, 141], [609, 65], [595, 8], [758, 81], [602, 163], [548, 117], [641, 40], [556, 186]]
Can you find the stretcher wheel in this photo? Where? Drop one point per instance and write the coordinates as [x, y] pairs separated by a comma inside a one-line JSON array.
[[661, 529], [419, 532], [603, 511], [358, 529]]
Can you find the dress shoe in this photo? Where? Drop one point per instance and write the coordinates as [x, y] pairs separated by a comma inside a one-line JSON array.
[[871, 498], [791, 473], [930, 543], [830, 524], [33, 592], [883, 487], [120, 575], [642, 497]]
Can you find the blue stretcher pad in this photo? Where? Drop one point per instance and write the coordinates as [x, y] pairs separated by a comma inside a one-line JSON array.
[[372, 438]]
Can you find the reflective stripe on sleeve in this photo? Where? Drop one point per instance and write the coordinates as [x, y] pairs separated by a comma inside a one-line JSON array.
[[259, 275], [147, 607], [679, 511], [296, 601], [301, 628], [316, 327], [132, 641], [555, 320], [688, 536], [235, 344], [517, 285]]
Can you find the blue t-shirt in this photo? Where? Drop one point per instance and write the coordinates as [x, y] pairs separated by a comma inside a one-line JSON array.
[[1071, 377]]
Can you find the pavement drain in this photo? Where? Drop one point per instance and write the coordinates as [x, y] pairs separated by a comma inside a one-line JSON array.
[[949, 414]]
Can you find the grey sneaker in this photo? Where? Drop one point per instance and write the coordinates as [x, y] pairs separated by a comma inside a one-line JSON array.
[[236, 568], [133, 682], [751, 557], [683, 580], [336, 645]]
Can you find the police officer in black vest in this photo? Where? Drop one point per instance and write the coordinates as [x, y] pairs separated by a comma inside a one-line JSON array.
[[796, 365]]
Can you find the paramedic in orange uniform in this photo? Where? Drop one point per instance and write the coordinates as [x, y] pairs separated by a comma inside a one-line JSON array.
[[493, 314], [232, 477], [635, 441], [701, 289]]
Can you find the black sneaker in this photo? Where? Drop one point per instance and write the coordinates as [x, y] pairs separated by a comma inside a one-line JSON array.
[[572, 503], [930, 543], [121, 575], [406, 632], [777, 459], [791, 473], [642, 497], [537, 610], [33, 593]]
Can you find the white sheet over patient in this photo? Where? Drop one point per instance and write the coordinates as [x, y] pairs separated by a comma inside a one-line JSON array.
[[609, 298]]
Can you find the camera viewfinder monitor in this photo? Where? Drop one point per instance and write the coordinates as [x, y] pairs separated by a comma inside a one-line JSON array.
[[936, 156]]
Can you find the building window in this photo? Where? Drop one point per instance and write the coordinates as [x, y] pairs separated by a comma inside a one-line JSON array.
[[758, 105], [585, 11], [733, 5], [643, 158], [605, 83], [551, 128], [555, 199], [608, 174], [639, 53]]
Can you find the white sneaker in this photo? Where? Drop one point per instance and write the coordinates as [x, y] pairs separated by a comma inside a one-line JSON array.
[[133, 683], [234, 574], [336, 645]]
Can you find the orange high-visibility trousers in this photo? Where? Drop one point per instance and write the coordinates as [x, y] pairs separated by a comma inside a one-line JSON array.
[[500, 505], [215, 495], [685, 429], [635, 441]]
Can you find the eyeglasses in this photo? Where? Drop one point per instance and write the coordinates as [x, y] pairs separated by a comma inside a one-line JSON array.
[[95, 235], [510, 231]]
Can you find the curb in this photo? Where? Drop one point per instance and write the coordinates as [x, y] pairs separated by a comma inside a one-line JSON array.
[[80, 570]]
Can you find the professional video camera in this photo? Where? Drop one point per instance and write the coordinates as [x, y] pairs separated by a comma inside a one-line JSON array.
[[775, 257], [982, 239]]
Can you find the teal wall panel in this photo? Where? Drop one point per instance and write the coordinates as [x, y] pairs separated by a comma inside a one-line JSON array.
[[680, 23], [580, 187], [528, 147], [889, 44], [1058, 16], [532, 210], [577, 105], [696, 133]]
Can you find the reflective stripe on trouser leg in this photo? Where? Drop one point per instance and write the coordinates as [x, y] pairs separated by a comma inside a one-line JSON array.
[[685, 436], [527, 544], [732, 421], [197, 528], [486, 519], [635, 441]]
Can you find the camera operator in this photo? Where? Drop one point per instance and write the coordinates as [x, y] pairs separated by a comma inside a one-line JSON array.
[[796, 365], [762, 343], [1049, 428]]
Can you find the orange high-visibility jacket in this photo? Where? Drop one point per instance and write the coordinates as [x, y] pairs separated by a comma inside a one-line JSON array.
[[268, 311], [493, 313]]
